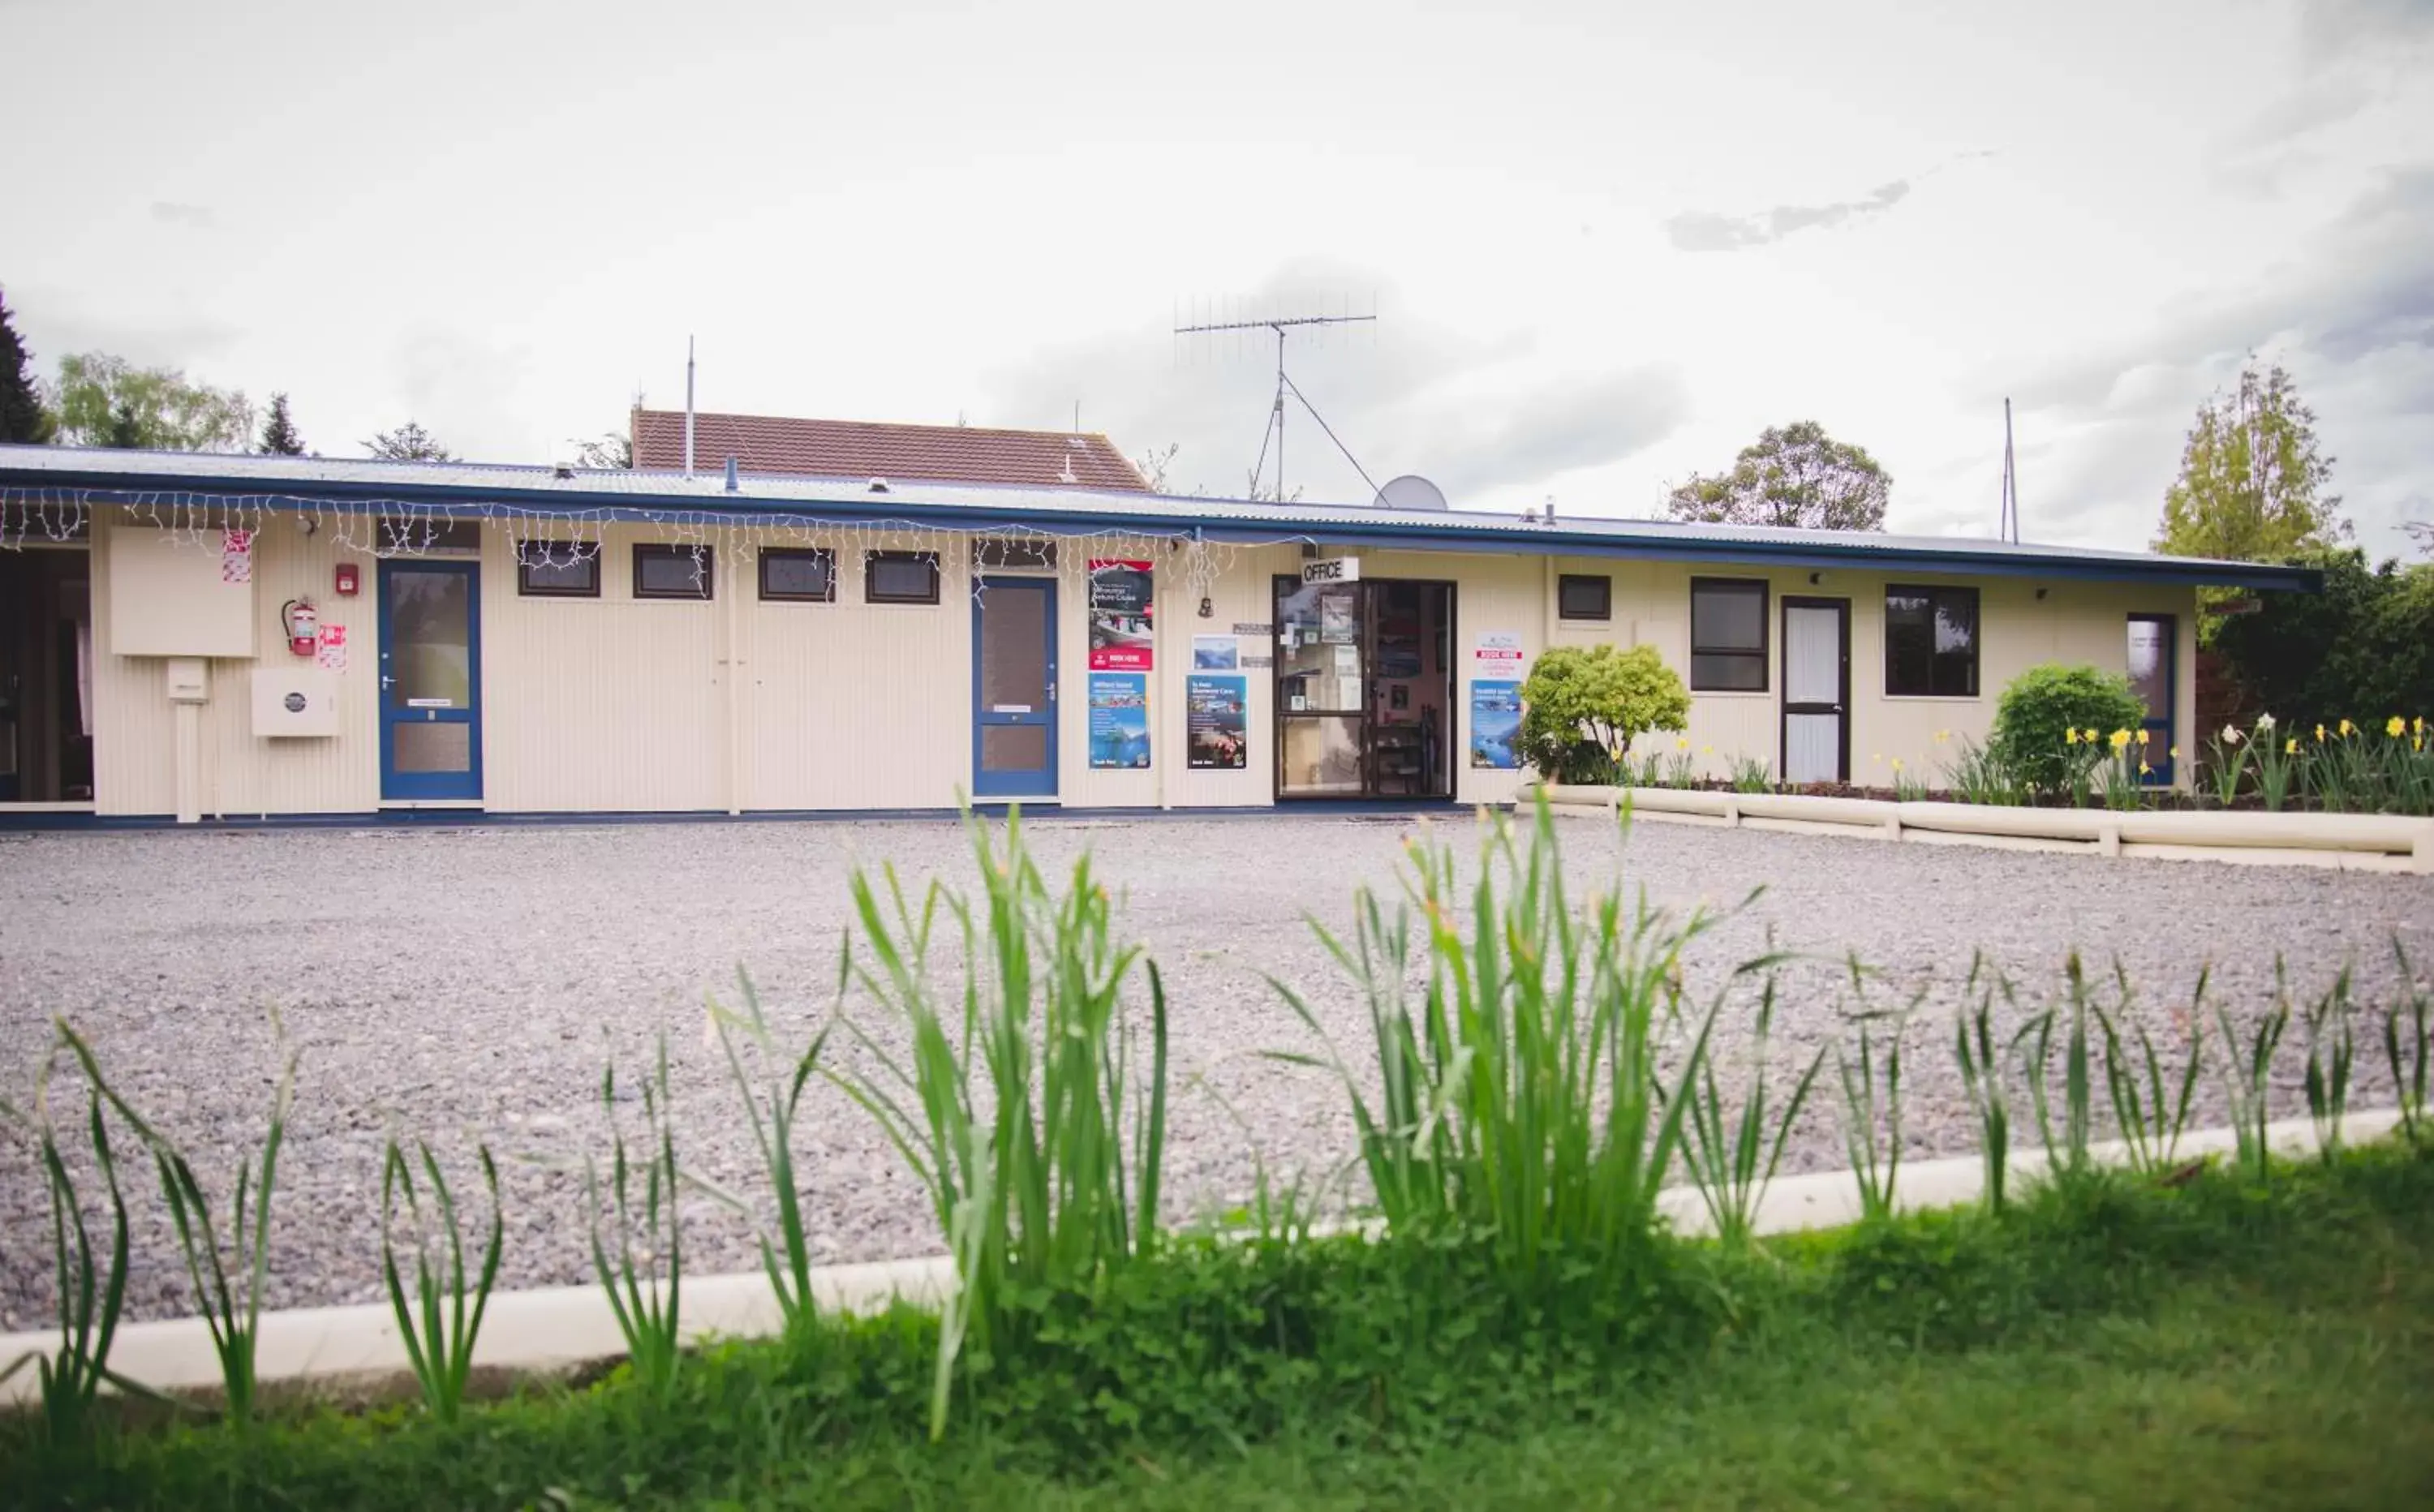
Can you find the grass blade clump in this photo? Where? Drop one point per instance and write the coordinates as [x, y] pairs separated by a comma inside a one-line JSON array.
[[90, 1294], [1519, 1095], [1732, 1166], [231, 1312], [440, 1325], [771, 1113], [2151, 1119], [1981, 1074], [2066, 1149], [2247, 1078], [645, 1285], [2405, 1045], [2332, 1053], [1017, 1105], [1872, 1099]]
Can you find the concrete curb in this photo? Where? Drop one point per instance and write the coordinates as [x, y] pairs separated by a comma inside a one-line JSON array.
[[2348, 842], [553, 1329]]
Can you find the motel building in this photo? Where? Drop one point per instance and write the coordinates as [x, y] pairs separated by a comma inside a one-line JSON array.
[[881, 617]]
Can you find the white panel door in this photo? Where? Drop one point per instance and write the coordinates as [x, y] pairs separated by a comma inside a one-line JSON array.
[[1816, 678]]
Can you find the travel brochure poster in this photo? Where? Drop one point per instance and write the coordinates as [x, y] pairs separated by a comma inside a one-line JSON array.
[[1120, 611], [1495, 723], [1118, 720], [1217, 730], [1216, 654]]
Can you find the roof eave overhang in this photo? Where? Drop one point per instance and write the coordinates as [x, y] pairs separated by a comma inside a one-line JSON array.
[[1526, 539]]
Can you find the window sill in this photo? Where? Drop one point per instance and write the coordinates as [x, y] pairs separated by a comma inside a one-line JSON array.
[[1932, 698], [1753, 693]]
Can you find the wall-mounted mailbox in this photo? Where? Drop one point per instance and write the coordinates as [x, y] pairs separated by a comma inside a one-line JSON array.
[[189, 679]]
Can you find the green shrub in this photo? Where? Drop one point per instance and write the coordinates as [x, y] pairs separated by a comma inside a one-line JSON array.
[[1582, 707], [2043, 705]]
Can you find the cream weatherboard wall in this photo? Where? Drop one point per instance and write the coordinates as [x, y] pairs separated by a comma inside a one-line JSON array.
[[619, 704], [2022, 621]]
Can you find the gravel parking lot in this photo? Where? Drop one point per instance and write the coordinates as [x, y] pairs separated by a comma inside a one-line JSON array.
[[467, 983]]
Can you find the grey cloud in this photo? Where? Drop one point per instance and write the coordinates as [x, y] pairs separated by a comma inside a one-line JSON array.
[[2355, 324], [2329, 30], [1709, 231], [199, 217], [1409, 396]]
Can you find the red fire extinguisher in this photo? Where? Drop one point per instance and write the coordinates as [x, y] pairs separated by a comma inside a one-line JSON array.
[[303, 624]]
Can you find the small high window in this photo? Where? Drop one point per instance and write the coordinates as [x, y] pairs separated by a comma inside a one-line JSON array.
[[1728, 629], [899, 577], [549, 570], [1014, 552], [1585, 595], [1930, 642], [795, 575], [672, 571]]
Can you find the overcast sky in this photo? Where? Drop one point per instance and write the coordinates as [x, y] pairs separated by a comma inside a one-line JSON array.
[[1604, 251]]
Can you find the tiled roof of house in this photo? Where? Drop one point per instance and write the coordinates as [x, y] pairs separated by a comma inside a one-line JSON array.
[[775, 445]]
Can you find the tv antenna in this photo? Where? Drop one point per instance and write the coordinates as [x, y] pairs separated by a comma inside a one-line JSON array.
[[1275, 433]]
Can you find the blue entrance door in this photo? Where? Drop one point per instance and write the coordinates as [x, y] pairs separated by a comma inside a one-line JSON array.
[[1014, 689], [431, 679]]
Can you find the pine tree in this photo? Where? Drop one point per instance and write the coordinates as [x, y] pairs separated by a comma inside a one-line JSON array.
[[126, 430], [279, 438], [24, 417]]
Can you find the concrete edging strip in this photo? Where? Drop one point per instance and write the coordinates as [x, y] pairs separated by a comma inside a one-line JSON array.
[[556, 1328], [2356, 842]]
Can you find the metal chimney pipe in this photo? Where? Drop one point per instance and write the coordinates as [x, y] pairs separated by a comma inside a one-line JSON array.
[[688, 406]]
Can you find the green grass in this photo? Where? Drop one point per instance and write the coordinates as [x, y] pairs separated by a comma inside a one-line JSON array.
[[2220, 1343]]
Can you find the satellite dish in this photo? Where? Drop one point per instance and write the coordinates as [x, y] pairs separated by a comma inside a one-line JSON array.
[[1411, 492]]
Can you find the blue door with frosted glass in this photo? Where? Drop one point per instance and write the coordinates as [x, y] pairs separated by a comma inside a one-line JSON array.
[[431, 679], [1014, 689]]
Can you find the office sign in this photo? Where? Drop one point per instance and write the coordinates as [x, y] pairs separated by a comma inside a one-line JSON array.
[[1331, 569]]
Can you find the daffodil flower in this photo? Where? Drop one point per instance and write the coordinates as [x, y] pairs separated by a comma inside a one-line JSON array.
[[2320, 735], [2347, 728], [2394, 726], [2145, 771], [2265, 721], [2174, 753], [1896, 763], [2121, 740], [2291, 747], [2070, 736], [2231, 734]]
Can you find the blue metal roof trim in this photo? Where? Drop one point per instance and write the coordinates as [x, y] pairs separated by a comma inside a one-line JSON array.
[[471, 488]]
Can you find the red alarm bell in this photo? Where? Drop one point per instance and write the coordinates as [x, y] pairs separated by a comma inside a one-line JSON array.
[[347, 581]]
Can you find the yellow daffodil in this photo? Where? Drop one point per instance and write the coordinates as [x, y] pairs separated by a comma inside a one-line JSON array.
[[2143, 734], [2174, 753], [2347, 728], [1681, 742], [2070, 736], [1707, 750], [2394, 726], [1896, 763], [2420, 725], [2291, 747], [1943, 735], [2145, 771], [2121, 740], [2320, 735]]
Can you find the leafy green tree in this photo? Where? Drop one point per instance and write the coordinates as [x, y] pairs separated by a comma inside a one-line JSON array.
[[1582, 707], [279, 435], [1793, 475], [102, 401], [24, 417], [2254, 485], [409, 442], [2361, 650]]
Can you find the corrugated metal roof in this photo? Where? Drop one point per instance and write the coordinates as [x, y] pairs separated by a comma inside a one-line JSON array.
[[547, 490]]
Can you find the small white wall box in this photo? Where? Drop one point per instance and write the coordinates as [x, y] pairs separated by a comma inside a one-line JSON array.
[[299, 700], [189, 679], [170, 596]]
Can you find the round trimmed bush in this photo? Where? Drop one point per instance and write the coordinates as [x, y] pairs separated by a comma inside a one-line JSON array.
[[1582, 707], [2041, 705]]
